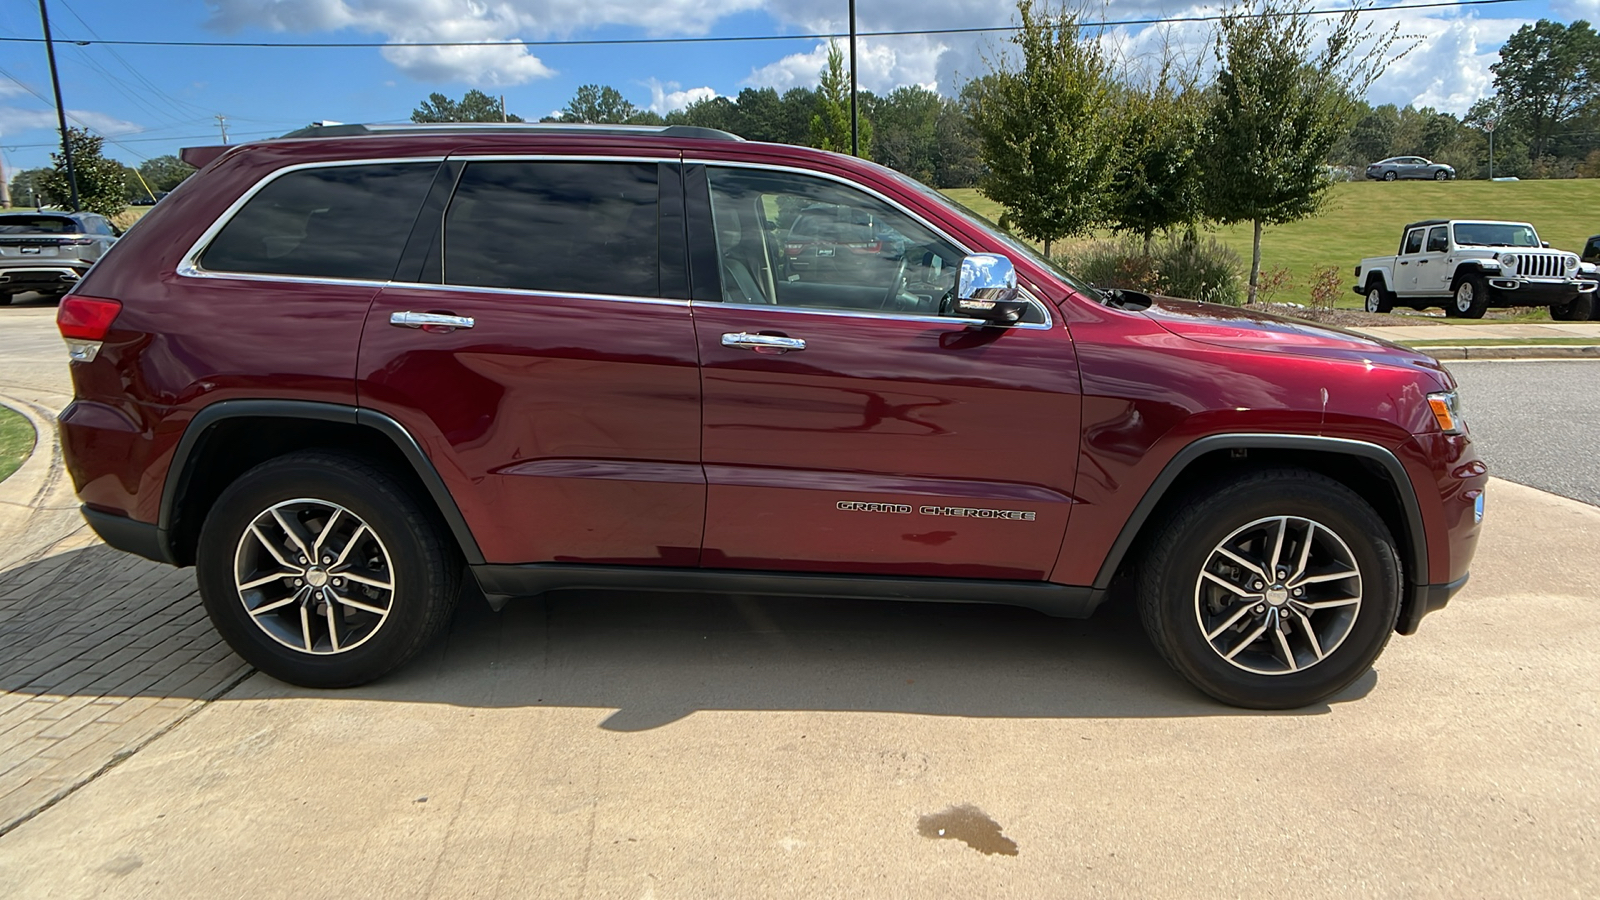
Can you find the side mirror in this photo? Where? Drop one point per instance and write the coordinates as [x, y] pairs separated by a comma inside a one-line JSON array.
[[987, 289], [1545, 244]]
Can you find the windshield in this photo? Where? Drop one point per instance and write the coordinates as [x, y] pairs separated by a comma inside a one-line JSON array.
[[994, 231], [37, 225], [1496, 234]]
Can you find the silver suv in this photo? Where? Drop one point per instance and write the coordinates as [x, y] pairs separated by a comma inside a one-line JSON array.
[[48, 251]]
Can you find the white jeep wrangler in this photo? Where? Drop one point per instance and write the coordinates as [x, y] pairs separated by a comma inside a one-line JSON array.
[[1467, 267]]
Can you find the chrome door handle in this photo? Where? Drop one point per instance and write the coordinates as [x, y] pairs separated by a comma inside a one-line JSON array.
[[419, 320], [762, 341], [1422, 262]]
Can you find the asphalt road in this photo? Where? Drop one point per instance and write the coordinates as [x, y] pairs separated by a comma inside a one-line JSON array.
[[1536, 422]]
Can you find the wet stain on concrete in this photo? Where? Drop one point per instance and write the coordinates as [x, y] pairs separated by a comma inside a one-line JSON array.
[[969, 825], [123, 863]]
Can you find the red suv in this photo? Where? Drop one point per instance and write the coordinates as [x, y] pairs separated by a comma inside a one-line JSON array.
[[341, 371]]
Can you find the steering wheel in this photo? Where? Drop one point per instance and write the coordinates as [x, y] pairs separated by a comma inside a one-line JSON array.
[[895, 287]]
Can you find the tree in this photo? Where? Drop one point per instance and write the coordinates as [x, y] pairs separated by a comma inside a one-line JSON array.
[[101, 182], [1155, 183], [164, 173], [1277, 110], [599, 104], [830, 123], [1547, 73], [1044, 132], [475, 106], [905, 131], [25, 187]]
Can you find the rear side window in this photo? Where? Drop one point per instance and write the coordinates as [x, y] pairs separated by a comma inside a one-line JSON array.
[[565, 227], [331, 222]]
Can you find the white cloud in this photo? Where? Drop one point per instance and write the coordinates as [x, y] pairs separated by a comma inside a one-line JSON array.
[[882, 64], [13, 120], [665, 96]]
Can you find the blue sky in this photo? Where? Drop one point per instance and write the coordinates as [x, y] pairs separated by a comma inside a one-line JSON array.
[[153, 100]]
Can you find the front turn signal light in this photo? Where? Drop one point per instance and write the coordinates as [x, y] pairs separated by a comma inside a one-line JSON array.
[[1447, 410]]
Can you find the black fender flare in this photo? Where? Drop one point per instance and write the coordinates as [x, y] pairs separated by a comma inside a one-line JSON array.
[[179, 469], [1417, 564]]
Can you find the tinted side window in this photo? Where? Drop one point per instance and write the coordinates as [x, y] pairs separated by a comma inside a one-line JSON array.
[[1414, 242], [333, 222], [1438, 239], [568, 227], [791, 240]]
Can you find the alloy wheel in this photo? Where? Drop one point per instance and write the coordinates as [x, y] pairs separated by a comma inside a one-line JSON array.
[[314, 577], [1278, 595], [1464, 296]]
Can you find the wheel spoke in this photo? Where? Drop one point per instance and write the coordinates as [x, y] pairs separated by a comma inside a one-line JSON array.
[[293, 531], [1242, 561], [1251, 639], [305, 625], [1277, 547], [366, 580], [1305, 550], [357, 604], [349, 545], [267, 579], [1228, 584], [332, 612], [327, 529], [1311, 635], [1331, 604], [271, 547], [1327, 576], [1283, 645], [279, 604], [1232, 620]]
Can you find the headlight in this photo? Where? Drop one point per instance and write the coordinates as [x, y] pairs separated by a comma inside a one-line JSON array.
[[1572, 261], [1509, 260], [1447, 410]]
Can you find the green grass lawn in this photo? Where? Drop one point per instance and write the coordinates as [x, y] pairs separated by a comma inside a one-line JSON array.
[[16, 441], [1365, 219]]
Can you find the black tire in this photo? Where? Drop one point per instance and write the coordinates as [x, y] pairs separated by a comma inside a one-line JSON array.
[[422, 567], [1441, 176], [1470, 300], [1379, 300], [1173, 609], [5, 299], [1389, 176], [1581, 309]]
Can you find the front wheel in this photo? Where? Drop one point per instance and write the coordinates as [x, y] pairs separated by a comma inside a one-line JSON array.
[[1271, 590], [1580, 309], [324, 571], [1471, 298], [1441, 176]]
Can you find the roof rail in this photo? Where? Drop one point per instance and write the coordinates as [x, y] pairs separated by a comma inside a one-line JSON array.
[[670, 131]]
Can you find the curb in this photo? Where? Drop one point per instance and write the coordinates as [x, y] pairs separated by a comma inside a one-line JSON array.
[[1522, 351], [37, 506]]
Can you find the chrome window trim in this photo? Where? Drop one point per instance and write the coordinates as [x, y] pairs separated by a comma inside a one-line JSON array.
[[530, 292], [867, 314], [1049, 320], [189, 265]]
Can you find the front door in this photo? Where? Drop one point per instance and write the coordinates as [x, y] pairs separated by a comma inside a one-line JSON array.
[[558, 395], [848, 426]]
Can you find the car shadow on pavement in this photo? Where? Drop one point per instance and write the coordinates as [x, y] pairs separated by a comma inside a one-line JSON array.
[[103, 622]]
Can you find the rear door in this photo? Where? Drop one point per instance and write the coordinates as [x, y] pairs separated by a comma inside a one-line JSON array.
[[849, 427], [1405, 264], [560, 398], [1430, 268]]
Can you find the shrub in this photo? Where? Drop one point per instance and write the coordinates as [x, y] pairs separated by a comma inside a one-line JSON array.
[[1177, 267], [1206, 270], [1272, 282], [1326, 286]]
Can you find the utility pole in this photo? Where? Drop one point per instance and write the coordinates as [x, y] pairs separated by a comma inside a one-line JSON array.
[[222, 122], [61, 111], [503, 108], [1489, 127], [855, 135]]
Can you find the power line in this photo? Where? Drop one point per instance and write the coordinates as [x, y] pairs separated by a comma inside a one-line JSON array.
[[751, 38]]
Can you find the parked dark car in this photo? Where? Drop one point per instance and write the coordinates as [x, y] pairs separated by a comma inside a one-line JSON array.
[[48, 252], [340, 374], [1398, 167]]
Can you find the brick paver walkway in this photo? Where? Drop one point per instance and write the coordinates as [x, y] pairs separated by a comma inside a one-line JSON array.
[[100, 653]]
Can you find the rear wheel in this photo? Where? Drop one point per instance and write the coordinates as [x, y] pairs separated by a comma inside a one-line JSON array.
[[1271, 590], [5, 299], [1389, 176], [324, 571], [1471, 298], [1580, 309]]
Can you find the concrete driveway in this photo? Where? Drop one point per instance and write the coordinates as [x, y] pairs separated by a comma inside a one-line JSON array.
[[609, 745]]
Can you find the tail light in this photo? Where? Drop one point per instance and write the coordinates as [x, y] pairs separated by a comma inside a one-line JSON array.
[[75, 242], [84, 322]]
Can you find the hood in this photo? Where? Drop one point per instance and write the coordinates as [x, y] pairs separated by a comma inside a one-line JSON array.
[[1239, 329]]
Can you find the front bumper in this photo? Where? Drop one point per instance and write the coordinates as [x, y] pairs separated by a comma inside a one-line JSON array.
[[1422, 599], [1540, 292]]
